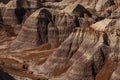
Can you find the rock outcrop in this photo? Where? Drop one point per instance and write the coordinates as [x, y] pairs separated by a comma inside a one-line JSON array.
[[65, 21], [37, 37], [77, 54]]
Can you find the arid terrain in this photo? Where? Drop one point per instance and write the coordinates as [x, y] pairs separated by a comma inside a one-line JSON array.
[[59, 39]]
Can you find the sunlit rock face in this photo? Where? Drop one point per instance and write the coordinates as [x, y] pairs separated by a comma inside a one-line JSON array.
[[102, 25]]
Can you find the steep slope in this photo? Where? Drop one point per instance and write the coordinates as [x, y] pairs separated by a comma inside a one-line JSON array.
[[23, 40]]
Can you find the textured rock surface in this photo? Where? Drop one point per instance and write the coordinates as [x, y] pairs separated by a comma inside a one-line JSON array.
[[76, 52], [32, 27]]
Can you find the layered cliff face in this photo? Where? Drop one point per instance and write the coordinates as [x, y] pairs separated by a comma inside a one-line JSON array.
[[73, 51], [61, 39], [41, 30], [41, 22], [16, 12]]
